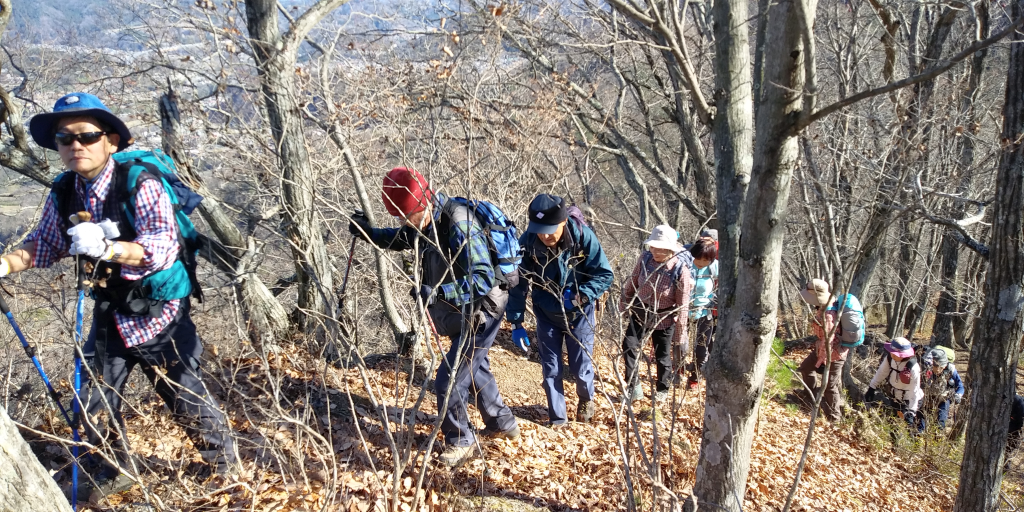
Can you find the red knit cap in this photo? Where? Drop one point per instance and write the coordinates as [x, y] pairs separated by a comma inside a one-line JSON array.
[[405, 192]]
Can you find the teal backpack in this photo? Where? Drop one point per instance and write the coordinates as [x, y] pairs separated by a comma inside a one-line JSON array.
[[135, 167]]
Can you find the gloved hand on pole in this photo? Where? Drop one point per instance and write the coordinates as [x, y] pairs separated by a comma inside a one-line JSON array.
[[520, 338]]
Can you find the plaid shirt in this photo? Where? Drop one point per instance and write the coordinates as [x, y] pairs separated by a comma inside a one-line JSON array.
[[474, 254], [651, 287], [157, 234]]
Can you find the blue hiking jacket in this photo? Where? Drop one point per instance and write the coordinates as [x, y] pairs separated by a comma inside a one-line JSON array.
[[579, 264]]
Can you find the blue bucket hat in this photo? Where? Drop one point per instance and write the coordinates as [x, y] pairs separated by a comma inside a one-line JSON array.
[[77, 104]]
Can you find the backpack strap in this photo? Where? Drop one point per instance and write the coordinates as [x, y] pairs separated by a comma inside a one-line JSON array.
[[63, 192]]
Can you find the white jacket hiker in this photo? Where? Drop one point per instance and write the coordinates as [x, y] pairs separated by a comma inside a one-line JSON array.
[[904, 375]]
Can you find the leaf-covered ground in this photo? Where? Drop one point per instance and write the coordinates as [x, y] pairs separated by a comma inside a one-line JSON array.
[[294, 418]]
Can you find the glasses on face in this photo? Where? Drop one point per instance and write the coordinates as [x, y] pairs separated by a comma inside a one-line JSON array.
[[87, 138]]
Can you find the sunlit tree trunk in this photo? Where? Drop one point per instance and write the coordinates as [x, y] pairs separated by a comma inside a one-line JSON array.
[[996, 348]]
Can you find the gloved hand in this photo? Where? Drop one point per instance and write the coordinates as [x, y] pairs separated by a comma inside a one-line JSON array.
[[870, 395], [87, 239], [110, 231], [359, 226], [567, 300], [477, 320], [5, 267], [957, 398], [520, 338], [424, 292]]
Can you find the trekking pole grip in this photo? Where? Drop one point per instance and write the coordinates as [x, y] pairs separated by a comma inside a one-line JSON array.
[[3, 305]]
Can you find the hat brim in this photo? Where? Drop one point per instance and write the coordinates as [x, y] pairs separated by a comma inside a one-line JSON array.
[[541, 229], [815, 299], [43, 126], [899, 353], [662, 244]]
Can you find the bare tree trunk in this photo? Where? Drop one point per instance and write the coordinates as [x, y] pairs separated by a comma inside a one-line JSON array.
[[265, 317], [948, 307], [15, 154], [996, 348], [275, 56], [25, 485], [750, 273]]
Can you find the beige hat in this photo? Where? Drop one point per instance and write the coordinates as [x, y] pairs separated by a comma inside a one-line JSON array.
[[664, 237], [817, 293]]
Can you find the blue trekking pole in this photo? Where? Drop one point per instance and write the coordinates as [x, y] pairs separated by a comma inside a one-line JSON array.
[[76, 406], [31, 352]]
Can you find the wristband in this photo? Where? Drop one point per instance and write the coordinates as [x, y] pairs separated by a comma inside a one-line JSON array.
[[5, 267], [113, 252]]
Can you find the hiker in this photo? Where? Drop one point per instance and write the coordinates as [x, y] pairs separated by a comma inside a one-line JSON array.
[[564, 264], [459, 287], [900, 373], [843, 318], [941, 384], [703, 303], [1016, 429], [657, 297], [160, 336]]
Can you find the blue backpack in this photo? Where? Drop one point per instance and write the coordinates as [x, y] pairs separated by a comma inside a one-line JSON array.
[[502, 236], [135, 167]]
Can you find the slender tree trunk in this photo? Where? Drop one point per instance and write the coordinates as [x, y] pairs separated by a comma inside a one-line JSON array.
[[275, 60], [996, 348], [25, 485], [750, 274], [949, 300], [265, 317]]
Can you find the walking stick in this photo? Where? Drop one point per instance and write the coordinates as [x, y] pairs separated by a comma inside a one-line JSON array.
[[79, 317], [31, 352], [348, 267]]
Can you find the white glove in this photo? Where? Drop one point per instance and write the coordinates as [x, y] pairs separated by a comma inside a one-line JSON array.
[[110, 231], [87, 239]]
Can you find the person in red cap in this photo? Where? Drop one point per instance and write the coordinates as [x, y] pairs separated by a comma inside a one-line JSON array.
[[459, 287]]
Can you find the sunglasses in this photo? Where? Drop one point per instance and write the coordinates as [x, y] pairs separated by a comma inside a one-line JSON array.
[[87, 138]]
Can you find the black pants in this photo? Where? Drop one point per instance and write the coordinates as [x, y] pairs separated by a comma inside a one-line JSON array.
[[702, 345], [171, 363], [633, 343]]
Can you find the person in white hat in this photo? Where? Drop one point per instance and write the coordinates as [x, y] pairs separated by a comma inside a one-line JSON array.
[[657, 297]]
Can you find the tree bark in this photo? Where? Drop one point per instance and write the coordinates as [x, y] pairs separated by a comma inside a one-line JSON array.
[[751, 256], [25, 485], [275, 56], [996, 348]]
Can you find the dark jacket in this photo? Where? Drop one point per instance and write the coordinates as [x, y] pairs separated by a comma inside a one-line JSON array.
[[460, 269], [577, 263]]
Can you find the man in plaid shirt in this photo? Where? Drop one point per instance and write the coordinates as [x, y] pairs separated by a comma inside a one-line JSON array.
[[458, 286], [161, 338]]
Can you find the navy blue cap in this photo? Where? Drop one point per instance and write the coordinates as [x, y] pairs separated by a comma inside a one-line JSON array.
[[546, 213], [77, 104]]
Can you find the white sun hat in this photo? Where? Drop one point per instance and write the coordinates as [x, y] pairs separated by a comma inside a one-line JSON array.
[[664, 237]]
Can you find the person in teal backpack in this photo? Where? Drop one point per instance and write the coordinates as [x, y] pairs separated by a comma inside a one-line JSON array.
[[141, 287], [704, 274], [843, 318], [567, 269]]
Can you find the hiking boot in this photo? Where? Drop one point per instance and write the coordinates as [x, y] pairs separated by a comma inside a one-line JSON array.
[[454, 456], [556, 426], [510, 434], [634, 393], [585, 411], [106, 484], [660, 397]]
